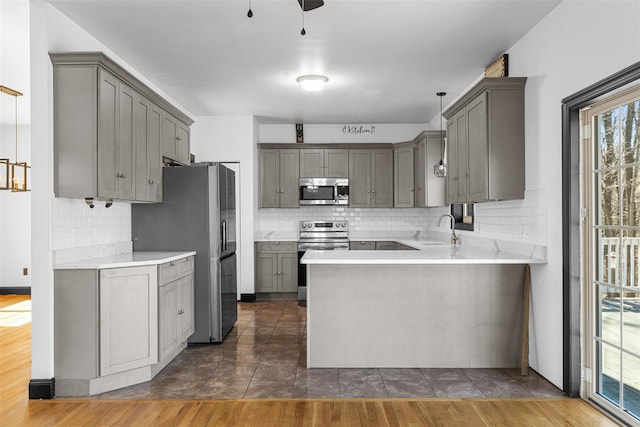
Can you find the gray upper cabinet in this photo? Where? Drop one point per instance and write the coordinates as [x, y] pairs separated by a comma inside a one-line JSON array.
[[147, 134], [279, 178], [175, 140], [371, 178], [403, 180], [429, 189], [320, 162], [108, 130], [485, 134]]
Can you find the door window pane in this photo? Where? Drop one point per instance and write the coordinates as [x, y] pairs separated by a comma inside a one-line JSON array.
[[608, 244], [609, 319], [609, 192], [631, 378], [609, 378], [629, 132], [608, 138]]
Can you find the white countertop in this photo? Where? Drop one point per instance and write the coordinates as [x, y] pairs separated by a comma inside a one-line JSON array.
[[429, 253], [129, 259]]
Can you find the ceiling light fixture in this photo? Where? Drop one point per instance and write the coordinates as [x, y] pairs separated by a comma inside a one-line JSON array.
[[440, 168], [312, 82]]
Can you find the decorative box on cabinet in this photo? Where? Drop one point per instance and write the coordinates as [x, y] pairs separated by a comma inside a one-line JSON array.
[[99, 134], [485, 135], [279, 178], [276, 267]]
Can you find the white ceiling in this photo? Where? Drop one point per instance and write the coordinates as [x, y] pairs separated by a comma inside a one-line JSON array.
[[385, 59]]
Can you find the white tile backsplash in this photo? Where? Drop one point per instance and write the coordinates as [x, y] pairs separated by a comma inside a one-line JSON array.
[[75, 224], [523, 221]]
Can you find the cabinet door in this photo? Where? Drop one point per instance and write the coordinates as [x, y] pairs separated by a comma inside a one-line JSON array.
[[312, 163], [128, 318], [419, 170], [478, 150], [125, 162], [382, 178], [359, 178], [289, 178], [288, 272], [266, 272], [186, 319], [168, 303], [457, 147], [403, 177], [435, 185], [183, 154], [108, 176], [269, 178], [336, 163], [362, 246], [169, 134], [148, 169]]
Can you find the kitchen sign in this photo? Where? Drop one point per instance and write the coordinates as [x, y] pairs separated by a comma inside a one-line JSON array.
[[358, 129]]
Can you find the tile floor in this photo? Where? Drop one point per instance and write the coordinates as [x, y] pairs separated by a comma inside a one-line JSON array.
[[264, 356]]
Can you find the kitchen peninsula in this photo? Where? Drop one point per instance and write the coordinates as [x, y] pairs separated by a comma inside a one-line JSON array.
[[441, 306]]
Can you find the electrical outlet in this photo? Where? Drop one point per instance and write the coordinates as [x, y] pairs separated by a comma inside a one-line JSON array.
[[25, 271]]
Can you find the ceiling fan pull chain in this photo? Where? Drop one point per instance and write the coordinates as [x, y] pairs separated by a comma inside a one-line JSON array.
[[303, 32], [250, 13]]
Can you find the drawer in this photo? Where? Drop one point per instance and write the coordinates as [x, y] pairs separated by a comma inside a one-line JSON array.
[[358, 245], [173, 270], [277, 247]]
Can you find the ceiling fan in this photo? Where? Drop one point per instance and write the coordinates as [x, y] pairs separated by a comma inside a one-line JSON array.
[[307, 5]]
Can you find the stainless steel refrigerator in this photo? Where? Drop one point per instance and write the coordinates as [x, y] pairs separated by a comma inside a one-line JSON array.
[[197, 213]]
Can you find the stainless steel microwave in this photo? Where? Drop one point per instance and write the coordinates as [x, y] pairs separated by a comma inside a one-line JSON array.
[[324, 191]]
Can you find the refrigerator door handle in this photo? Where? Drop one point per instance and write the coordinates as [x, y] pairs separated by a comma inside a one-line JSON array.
[[223, 226]]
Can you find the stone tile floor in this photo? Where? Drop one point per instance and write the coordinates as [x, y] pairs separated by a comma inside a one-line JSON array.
[[264, 356]]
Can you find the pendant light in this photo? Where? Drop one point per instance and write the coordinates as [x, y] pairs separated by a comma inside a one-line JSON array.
[[18, 181], [440, 168], [303, 31], [250, 13]]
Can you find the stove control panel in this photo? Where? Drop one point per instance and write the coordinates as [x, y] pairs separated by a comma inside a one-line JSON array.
[[324, 225]]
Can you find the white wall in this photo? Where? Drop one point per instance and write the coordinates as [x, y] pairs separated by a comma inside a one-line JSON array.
[[60, 223], [577, 44], [231, 139], [15, 208]]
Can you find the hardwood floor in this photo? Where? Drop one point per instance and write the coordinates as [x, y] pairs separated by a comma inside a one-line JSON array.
[[17, 410]]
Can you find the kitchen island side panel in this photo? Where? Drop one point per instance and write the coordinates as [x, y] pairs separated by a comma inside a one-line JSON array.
[[414, 316]]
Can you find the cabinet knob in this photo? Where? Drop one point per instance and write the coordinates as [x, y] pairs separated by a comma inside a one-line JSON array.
[[151, 181], [275, 274], [178, 139]]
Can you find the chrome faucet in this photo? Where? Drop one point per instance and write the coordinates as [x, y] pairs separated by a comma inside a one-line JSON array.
[[454, 238]]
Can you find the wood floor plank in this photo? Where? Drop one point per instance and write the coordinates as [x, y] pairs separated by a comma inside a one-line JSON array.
[[17, 410]]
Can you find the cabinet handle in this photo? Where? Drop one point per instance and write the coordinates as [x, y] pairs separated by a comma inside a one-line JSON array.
[[171, 263]]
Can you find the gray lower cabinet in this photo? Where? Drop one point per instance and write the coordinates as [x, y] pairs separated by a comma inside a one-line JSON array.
[[371, 178], [324, 162], [107, 134], [371, 245], [362, 245], [403, 180], [279, 178], [117, 327], [485, 134], [276, 267], [430, 190], [175, 306]]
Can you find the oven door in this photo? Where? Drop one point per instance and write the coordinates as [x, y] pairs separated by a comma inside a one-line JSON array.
[[302, 268]]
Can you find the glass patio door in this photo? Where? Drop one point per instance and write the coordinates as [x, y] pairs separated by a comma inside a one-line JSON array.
[[611, 249]]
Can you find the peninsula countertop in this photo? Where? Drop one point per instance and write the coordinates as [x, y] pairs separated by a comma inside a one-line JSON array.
[[428, 253], [129, 259]]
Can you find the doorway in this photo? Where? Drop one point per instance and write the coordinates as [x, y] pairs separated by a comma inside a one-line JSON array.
[[610, 201]]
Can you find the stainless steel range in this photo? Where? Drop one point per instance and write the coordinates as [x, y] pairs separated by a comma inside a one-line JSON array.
[[319, 236]]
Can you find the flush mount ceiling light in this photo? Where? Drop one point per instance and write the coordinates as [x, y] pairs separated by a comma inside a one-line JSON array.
[[312, 82]]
